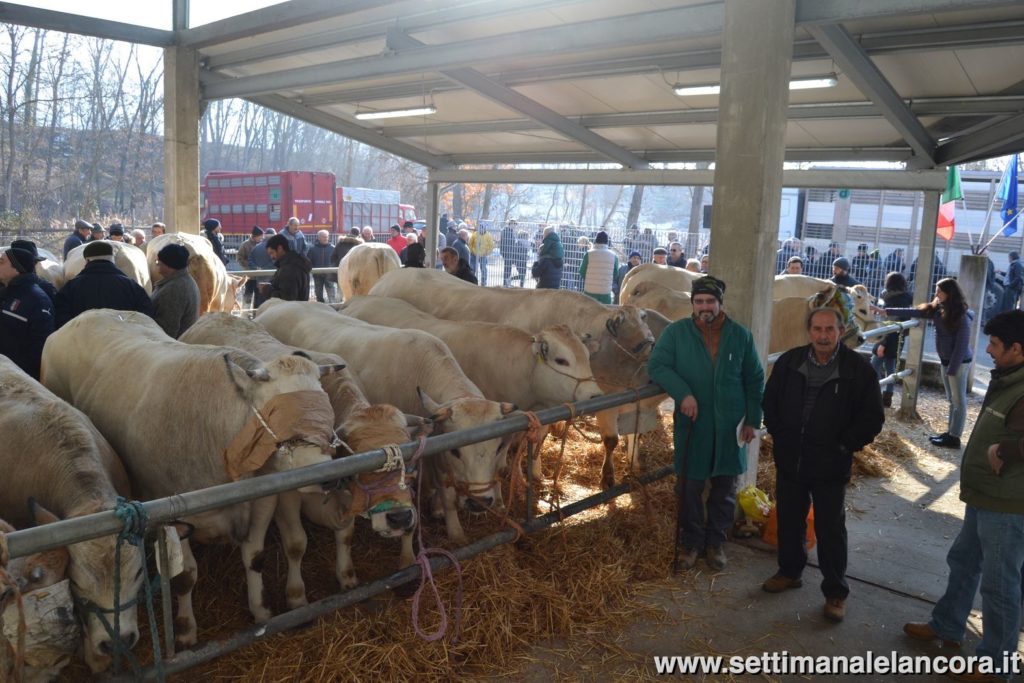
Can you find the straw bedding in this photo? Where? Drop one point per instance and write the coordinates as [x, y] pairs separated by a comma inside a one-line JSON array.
[[567, 581]]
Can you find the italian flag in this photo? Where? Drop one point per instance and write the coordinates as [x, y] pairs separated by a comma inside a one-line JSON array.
[[946, 225]]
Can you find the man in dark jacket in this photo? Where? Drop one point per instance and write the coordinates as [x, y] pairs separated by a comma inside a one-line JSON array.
[[507, 247], [291, 281], [989, 549], [77, 238], [176, 296], [821, 404], [26, 313], [324, 286], [1014, 282], [100, 285], [841, 272], [44, 285], [345, 245], [457, 266]]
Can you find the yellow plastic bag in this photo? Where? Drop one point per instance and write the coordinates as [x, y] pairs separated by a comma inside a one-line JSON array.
[[754, 503]]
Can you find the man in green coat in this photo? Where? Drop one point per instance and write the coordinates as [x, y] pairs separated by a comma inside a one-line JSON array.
[[710, 368]]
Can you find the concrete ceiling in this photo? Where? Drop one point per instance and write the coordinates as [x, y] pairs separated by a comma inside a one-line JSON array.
[[927, 82]]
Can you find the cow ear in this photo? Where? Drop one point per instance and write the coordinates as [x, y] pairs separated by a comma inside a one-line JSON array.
[[540, 347], [40, 514], [331, 369], [593, 346], [260, 374], [508, 408]]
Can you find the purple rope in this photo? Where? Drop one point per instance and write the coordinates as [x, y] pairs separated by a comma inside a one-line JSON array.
[[427, 575]]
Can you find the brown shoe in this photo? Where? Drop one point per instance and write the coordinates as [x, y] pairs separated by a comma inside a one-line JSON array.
[[919, 630], [835, 609], [715, 557], [781, 582]]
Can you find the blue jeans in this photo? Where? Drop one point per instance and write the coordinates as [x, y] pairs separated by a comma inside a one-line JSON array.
[[883, 368], [478, 264], [988, 551], [956, 394]]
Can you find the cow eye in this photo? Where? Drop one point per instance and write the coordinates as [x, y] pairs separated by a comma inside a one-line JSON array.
[[456, 453], [561, 361]]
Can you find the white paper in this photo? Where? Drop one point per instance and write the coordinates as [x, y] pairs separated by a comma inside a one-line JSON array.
[[758, 433]]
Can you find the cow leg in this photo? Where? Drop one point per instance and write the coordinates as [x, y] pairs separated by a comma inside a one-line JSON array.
[[253, 555], [637, 458], [185, 631], [343, 567], [293, 538], [452, 524], [607, 422]]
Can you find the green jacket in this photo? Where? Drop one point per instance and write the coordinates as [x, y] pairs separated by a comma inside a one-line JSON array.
[[980, 487], [726, 393]]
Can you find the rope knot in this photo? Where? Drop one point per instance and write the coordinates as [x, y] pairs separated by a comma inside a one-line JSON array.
[[134, 518]]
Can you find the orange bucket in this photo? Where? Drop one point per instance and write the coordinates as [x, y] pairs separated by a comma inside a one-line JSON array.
[[771, 528]]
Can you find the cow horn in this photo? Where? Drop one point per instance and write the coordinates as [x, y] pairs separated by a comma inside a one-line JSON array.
[[331, 369], [414, 420]]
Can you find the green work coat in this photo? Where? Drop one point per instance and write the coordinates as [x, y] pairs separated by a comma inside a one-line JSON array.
[[727, 391]]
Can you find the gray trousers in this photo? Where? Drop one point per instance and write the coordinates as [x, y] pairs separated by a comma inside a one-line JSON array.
[[721, 511]]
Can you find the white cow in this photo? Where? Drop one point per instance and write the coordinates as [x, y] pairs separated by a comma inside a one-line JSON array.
[[363, 265], [52, 453], [129, 259], [671, 303], [786, 286], [624, 340], [217, 288], [667, 276], [361, 426], [415, 372], [189, 417]]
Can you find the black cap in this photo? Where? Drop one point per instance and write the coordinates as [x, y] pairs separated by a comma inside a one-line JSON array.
[[173, 256], [82, 225], [256, 230], [211, 224], [98, 248], [116, 229], [28, 246], [96, 227], [22, 260], [708, 285]]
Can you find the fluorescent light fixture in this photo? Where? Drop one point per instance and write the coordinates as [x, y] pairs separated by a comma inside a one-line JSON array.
[[396, 113], [706, 89], [809, 83], [803, 83]]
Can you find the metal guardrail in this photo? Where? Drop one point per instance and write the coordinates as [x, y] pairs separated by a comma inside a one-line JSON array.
[[270, 273], [162, 510]]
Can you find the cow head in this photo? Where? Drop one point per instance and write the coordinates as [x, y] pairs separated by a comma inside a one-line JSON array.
[[384, 497], [260, 383], [562, 372], [853, 304], [472, 470], [91, 570], [621, 359]]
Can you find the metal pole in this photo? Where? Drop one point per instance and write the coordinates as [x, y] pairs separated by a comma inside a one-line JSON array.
[[891, 379], [922, 293], [432, 227], [162, 510], [972, 276], [307, 614]]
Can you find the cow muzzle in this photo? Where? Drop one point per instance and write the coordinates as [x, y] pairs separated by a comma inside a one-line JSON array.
[[392, 521]]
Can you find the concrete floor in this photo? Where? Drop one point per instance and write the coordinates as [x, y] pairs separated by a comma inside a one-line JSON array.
[[899, 532]]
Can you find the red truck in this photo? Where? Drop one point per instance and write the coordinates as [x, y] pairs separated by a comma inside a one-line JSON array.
[[268, 199]]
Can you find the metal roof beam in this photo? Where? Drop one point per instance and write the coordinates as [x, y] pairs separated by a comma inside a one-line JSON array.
[[350, 130], [811, 12], [1006, 136], [824, 178], [273, 18], [411, 20], [895, 154], [21, 15], [651, 27], [858, 67], [914, 40], [939, 106], [532, 109]]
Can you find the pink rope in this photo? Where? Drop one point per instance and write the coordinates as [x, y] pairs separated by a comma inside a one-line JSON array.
[[427, 575]]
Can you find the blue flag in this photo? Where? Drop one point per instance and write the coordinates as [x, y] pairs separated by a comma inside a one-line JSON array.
[[1008, 193]]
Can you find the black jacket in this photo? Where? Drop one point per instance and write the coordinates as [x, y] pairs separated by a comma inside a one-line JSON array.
[[344, 246], [100, 285], [291, 281], [26, 320], [548, 272], [892, 340], [73, 240], [217, 244], [464, 273], [846, 417]]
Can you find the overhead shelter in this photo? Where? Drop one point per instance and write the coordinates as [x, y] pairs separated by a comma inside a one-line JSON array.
[[594, 82]]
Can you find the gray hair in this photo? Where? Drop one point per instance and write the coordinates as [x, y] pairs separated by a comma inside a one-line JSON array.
[[825, 309]]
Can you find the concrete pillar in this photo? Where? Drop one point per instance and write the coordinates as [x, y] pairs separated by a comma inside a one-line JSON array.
[[432, 217], [181, 139], [757, 50], [841, 222], [971, 278], [922, 293]]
